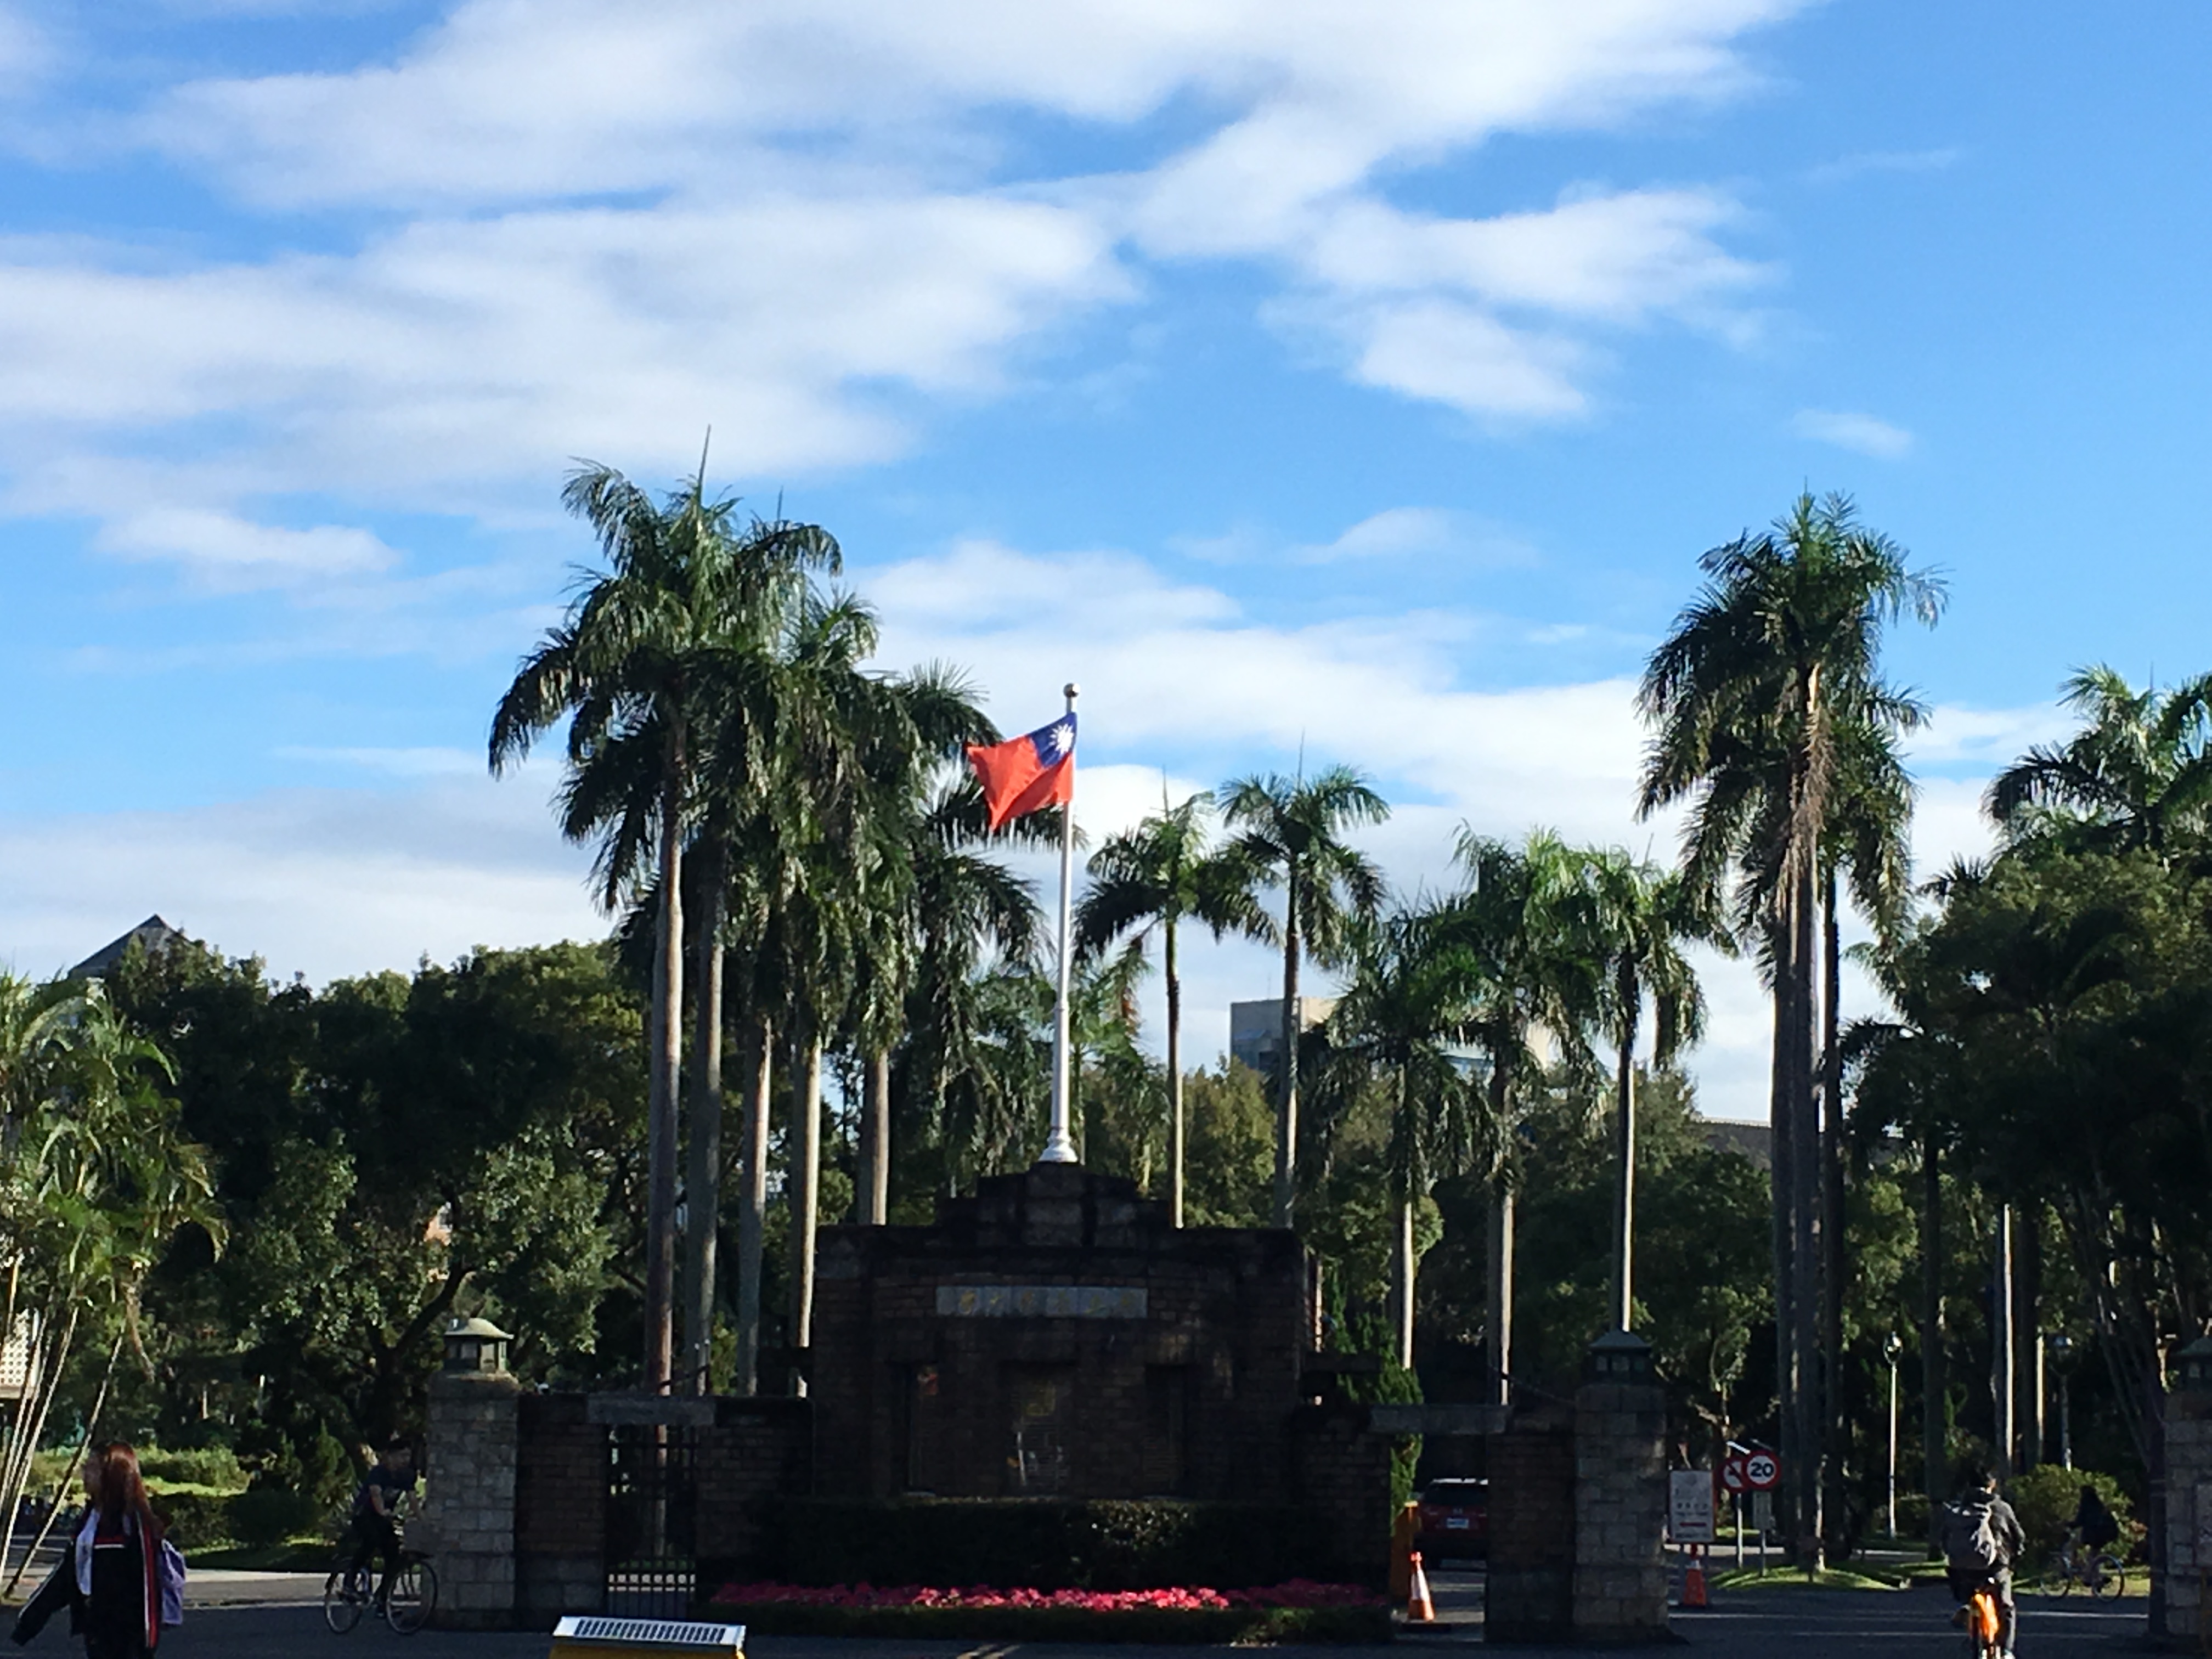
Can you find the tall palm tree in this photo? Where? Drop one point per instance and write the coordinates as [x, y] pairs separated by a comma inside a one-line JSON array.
[[1411, 999], [2138, 772], [1753, 694], [1291, 833], [1641, 917], [1156, 875], [626, 668], [1527, 919]]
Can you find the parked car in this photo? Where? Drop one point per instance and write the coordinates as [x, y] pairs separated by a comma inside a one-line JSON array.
[[1455, 1518]]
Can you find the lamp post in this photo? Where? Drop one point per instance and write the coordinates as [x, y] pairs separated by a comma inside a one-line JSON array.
[[1891, 1348], [2060, 1347]]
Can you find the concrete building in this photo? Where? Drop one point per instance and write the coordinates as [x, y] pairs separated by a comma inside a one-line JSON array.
[[1256, 1029]]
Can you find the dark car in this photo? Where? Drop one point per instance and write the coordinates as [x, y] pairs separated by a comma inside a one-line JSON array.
[[1455, 1518]]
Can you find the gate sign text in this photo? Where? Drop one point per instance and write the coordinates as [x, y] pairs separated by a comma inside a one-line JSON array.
[[1690, 1506]]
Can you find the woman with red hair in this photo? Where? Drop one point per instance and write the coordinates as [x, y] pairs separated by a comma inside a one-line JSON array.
[[112, 1578]]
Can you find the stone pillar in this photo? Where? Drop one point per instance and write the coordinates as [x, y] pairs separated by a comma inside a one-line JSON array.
[[1620, 1496], [2187, 1531], [468, 1521]]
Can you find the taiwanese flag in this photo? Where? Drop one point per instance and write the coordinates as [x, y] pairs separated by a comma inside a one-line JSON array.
[[1025, 774]]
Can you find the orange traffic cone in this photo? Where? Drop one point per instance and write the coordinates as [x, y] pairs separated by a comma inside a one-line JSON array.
[[1420, 1609], [1693, 1580]]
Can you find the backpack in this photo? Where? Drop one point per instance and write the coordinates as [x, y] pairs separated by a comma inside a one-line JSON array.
[[1969, 1536], [172, 1570]]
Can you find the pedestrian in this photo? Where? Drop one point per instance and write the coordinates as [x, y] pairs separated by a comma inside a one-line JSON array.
[[111, 1577]]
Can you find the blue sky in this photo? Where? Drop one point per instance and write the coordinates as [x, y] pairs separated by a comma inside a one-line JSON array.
[[1367, 378]]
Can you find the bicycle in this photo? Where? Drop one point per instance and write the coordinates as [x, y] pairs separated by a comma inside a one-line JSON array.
[[1982, 1622], [406, 1606], [2100, 1572]]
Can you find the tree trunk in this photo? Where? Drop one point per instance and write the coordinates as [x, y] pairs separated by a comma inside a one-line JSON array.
[[1287, 1130], [661, 1125], [1805, 1243], [1783, 1185], [752, 1204], [875, 1140], [2029, 1390], [703, 1175], [1406, 1267], [1498, 1316], [1834, 1266], [1934, 1405], [803, 1180], [1624, 1208], [1175, 1078], [2002, 1368]]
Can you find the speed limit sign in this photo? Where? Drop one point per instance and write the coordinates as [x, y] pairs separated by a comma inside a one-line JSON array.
[[1762, 1471], [1735, 1477]]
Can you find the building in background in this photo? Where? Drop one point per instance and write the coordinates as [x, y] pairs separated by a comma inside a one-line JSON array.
[[1256, 1029]]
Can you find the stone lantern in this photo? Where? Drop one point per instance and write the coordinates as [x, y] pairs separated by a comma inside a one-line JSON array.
[[476, 1346], [2195, 1361], [1619, 1357]]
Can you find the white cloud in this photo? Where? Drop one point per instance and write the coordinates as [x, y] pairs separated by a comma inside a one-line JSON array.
[[1860, 434], [225, 551], [327, 883]]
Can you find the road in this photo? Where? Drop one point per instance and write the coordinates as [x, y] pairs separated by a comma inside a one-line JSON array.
[[1748, 1624]]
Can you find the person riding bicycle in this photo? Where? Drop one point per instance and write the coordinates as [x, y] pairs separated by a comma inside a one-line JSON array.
[[1982, 1539], [2095, 1524], [375, 1511]]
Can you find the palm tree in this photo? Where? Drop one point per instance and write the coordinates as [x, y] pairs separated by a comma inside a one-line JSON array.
[[1527, 919], [1293, 834], [1641, 917], [2136, 774], [1754, 695], [1411, 997], [627, 668], [1156, 875]]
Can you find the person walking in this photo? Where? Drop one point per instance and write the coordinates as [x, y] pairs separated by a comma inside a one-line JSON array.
[[110, 1578]]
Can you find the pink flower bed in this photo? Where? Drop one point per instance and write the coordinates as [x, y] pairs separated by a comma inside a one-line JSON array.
[[1298, 1593]]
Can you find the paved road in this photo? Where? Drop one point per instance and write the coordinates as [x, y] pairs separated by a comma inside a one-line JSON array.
[[1749, 1625]]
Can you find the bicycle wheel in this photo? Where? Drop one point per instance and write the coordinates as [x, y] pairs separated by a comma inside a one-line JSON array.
[[344, 1596], [414, 1597], [2111, 1577]]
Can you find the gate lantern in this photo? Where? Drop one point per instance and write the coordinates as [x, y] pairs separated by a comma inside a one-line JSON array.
[[2196, 1367], [1619, 1357], [475, 1345]]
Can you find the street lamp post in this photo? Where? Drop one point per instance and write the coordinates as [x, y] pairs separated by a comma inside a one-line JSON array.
[[1891, 1348], [2060, 1347]]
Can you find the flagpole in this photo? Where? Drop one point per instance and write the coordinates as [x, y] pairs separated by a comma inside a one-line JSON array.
[[1060, 1145]]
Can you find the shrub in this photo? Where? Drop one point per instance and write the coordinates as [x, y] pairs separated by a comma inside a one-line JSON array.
[[1295, 1611], [2044, 1499], [1046, 1544], [216, 1466], [196, 1521], [270, 1515]]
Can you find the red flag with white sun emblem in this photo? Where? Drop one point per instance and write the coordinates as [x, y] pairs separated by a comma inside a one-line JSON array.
[[1028, 773]]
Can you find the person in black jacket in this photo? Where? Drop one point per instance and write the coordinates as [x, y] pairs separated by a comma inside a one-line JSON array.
[[110, 1575]]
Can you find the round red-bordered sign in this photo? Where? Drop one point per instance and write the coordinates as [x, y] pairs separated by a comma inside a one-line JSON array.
[[1762, 1471], [1733, 1475]]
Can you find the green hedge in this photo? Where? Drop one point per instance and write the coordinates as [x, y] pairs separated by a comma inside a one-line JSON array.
[[196, 1521], [1207, 1626], [199, 1520], [1046, 1543]]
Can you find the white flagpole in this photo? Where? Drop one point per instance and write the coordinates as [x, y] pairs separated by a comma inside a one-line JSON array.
[[1060, 1145]]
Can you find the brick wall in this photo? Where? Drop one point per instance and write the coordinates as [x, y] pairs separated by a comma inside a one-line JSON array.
[[2188, 1516], [757, 1450], [1621, 1512], [1532, 1529], [560, 1508], [1341, 1474], [469, 1497], [1193, 1399]]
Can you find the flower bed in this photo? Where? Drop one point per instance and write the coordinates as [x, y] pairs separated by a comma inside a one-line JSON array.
[[1295, 1611]]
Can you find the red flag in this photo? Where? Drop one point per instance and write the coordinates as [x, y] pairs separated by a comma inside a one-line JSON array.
[[1025, 774]]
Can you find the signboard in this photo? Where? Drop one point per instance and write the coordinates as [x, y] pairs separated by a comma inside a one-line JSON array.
[[1733, 1478], [1690, 1506], [1762, 1513], [1762, 1471]]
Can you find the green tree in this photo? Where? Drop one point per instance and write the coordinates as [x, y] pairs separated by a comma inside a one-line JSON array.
[[628, 668], [1156, 875], [1290, 832], [1410, 1004], [2137, 774], [1753, 694]]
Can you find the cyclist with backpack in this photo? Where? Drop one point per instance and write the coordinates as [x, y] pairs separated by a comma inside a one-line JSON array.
[[1982, 1539]]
